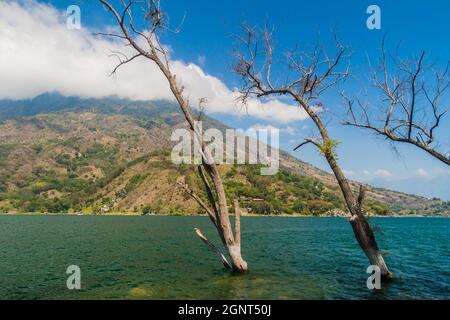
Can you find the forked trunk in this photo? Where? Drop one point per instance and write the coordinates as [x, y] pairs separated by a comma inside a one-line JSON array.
[[219, 213], [218, 209], [233, 242], [238, 263]]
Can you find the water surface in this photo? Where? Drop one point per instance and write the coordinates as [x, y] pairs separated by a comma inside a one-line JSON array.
[[161, 258]]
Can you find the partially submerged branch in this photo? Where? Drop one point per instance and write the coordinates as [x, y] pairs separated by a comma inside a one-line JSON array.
[[213, 248], [146, 43]]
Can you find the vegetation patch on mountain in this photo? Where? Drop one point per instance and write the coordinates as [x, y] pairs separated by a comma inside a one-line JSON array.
[[103, 156]]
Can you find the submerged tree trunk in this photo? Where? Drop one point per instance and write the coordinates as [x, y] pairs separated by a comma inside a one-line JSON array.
[[237, 261], [230, 241], [152, 49], [366, 240], [235, 249], [219, 209], [361, 228], [313, 75]]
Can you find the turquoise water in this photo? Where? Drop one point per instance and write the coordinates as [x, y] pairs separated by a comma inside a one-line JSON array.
[[161, 258]]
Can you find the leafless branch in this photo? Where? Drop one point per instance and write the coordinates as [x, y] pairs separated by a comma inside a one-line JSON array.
[[410, 108], [311, 74], [202, 204], [146, 42], [122, 61]]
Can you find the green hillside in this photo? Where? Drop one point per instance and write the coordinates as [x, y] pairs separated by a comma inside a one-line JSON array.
[[102, 156]]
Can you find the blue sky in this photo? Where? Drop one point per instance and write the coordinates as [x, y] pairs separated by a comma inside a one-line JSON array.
[[207, 40]]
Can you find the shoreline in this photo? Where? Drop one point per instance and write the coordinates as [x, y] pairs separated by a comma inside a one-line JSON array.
[[134, 214]]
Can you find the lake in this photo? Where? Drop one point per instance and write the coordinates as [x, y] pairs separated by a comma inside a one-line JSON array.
[[159, 257]]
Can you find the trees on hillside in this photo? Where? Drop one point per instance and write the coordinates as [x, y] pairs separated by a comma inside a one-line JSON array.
[[309, 76], [413, 103], [146, 43]]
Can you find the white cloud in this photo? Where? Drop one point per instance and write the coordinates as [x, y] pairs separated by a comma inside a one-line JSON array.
[[259, 126], [38, 54], [349, 172], [422, 172], [440, 171], [201, 60], [290, 130], [283, 129], [383, 173]]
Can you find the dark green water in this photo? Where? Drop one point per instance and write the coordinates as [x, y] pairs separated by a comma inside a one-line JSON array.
[[160, 257]]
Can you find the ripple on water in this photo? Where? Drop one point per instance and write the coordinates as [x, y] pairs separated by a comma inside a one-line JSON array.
[[160, 258]]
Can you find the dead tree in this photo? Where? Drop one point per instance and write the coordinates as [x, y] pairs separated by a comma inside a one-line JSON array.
[[311, 74], [146, 43], [410, 107]]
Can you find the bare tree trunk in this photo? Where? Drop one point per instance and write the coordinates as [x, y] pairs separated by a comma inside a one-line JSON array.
[[239, 264], [313, 76], [223, 224], [153, 50], [236, 257], [361, 228], [366, 240]]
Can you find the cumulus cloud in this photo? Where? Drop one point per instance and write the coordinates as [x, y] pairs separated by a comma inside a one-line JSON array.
[[39, 54], [440, 171], [349, 172], [422, 172], [378, 174], [201, 60], [289, 130], [383, 173]]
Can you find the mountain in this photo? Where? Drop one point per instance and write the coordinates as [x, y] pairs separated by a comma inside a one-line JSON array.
[[68, 154], [435, 185]]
